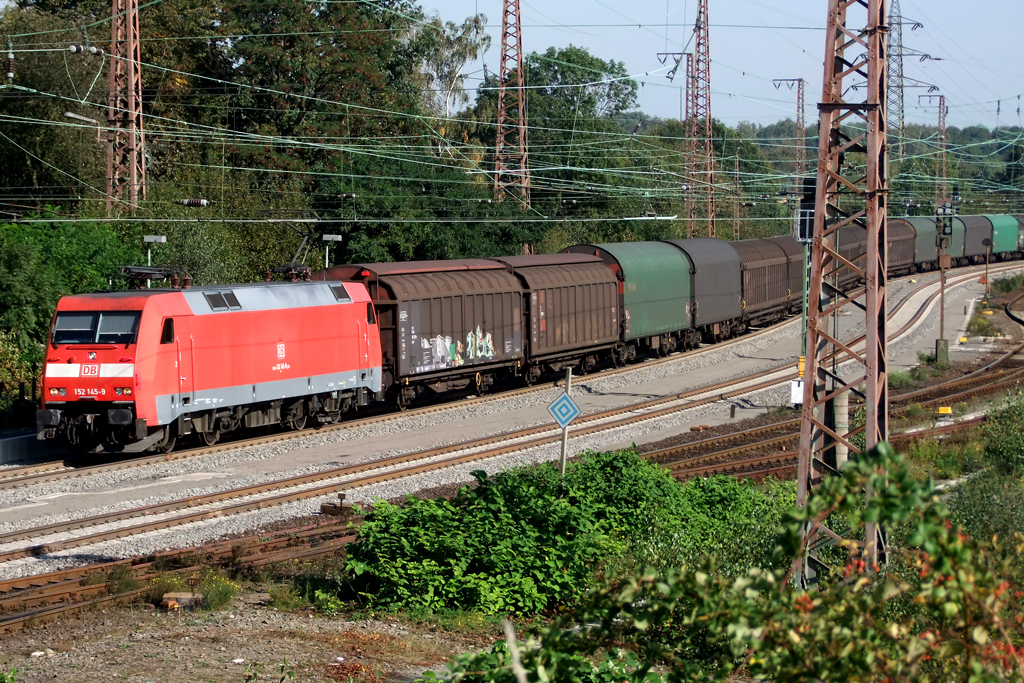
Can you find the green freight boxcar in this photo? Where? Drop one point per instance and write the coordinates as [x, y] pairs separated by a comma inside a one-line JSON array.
[[924, 244], [654, 281], [1005, 231]]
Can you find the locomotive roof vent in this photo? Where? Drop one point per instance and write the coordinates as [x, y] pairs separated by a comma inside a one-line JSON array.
[[223, 301], [341, 294]]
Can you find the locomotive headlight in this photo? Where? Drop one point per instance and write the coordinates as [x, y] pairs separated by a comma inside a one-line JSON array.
[[127, 391], [118, 391], [53, 391], [123, 391], [63, 391]]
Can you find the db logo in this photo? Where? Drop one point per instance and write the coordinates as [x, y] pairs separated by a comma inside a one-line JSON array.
[[90, 371], [280, 350]]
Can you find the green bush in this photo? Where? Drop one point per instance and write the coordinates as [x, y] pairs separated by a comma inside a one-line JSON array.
[[218, 591], [900, 380], [1008, 284], [162, 584], [522, 543], [981, 326], [988, 504], [1004, 434], [495, 666], [121, 580]]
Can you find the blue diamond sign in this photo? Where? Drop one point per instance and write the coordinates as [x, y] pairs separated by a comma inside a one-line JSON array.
[[564, 410]]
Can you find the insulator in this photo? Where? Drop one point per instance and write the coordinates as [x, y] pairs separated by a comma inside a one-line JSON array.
[[97, 51], [76, 49], [10, 66], [195, 202]]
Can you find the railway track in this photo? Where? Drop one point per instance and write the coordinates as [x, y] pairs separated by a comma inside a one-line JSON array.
[[77, 466], [120, 524], [30, 600], [35, 600], [707, 456]]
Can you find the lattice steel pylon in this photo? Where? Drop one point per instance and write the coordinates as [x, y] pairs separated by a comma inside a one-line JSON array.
[[855, 53], [801, 122], [511, 174], [736, 197], [690, 148], [894, 96], [126, 149], [941, 188], [702, 111]]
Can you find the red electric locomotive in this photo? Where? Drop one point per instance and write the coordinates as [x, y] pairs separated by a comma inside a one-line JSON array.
[[136, 369]]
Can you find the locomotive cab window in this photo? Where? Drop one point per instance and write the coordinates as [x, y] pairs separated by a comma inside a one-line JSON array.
[[96, 328], [167, 335], [371, 318]]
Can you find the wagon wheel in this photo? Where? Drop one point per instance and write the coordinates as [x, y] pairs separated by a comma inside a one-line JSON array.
[[211, 437], [481, 387], [528, 377], [401, 402]]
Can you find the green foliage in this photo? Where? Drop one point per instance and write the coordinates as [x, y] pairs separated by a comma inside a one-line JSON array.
[[987, 504], [218, 590], [40, 263], [9, 676], [495, 666], [286, 598], [947, 458], [1004, 434], [162, 584], [981, 326], [121, 580], [1008, 283], [947, 608], [900, 380], [327, 603], [522, 543]]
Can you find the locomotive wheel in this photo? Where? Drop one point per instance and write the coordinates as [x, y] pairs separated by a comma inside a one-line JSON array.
[[298, 422], [80, 439], [166, 444], [210, 438]]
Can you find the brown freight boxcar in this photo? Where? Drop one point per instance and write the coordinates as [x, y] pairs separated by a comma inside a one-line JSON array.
[[443, 324], [795, 279], [765, 280], [901, 246], [573, 313]]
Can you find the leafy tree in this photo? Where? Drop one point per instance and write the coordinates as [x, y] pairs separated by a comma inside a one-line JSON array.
[[48, 158], [448, 48], [42, 262]]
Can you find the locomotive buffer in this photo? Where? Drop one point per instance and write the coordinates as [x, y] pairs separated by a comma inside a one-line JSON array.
[[563, 411]]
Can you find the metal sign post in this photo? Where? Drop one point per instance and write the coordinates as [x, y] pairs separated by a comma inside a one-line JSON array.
[[564, 410]]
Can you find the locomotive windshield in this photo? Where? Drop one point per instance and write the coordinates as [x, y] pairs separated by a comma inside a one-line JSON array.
[[96, 328]]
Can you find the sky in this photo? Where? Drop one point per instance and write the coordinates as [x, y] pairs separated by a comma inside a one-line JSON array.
[[977, 49]]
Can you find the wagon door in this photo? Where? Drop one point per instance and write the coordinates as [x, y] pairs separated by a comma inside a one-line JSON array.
[[186, 381]]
